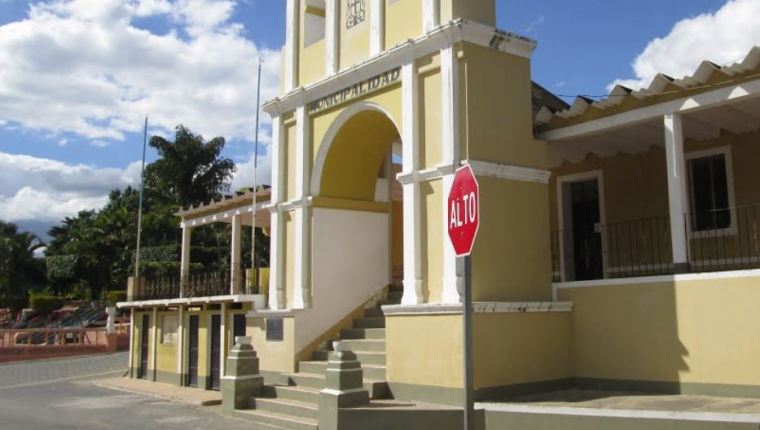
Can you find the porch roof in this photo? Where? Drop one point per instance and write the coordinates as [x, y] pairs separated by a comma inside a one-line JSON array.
[[222, 210], [713, 99]]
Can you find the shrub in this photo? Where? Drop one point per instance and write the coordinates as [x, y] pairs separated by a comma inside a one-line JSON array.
[[45, 304], [116, 297]]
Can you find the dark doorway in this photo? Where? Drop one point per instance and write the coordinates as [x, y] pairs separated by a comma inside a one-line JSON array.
[[216, 327], [587, 239], [142, 372], [192, 352]]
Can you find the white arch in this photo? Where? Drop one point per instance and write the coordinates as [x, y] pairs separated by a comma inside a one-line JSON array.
[[329, 138]]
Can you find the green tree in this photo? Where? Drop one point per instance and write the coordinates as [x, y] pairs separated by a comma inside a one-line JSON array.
[[19, 270], [190, 170]]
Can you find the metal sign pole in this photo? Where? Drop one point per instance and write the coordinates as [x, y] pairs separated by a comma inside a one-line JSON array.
[[469, 423]]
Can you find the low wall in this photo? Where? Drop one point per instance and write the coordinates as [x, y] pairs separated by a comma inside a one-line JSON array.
[[32, 344], [679, 334]]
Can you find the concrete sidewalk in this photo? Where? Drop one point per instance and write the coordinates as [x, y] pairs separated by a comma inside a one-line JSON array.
[[188, 395]]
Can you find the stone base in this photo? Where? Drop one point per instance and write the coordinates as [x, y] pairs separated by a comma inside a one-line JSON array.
[[238, 391]]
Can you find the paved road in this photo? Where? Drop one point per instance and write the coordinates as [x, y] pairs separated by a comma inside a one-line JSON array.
[[59, 394]]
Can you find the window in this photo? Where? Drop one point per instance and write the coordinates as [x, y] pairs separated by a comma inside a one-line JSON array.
[[710, 188], [169, 329]]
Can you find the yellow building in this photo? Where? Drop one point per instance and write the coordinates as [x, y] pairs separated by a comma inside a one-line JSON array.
[[618, 244]]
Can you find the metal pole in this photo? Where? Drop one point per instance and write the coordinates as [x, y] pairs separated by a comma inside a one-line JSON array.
[[255, 168], [469, 423], [140, 208]]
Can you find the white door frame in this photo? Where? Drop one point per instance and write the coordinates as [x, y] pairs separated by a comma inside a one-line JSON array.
[[565, 219]]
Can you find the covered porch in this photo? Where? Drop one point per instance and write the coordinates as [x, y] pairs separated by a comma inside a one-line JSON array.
[[659, 181]]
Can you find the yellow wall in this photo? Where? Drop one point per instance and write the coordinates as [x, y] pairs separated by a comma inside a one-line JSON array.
[[354, 42], [273, 356], [290, 161], [313, 57], [424, 350], [290, 257], [397, 235], [166, 353], [518, 348], [430, 114], [511, 257], [483, 11], [682, 331], [403, 21]]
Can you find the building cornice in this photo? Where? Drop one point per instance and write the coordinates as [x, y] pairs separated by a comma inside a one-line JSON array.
[[456, 31], [478, 308], [480, 168]]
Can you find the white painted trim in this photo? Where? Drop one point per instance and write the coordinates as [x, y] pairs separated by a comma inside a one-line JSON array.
[[377, 27], [223, 216], [332, 37], [431, 14], [222, 340], [446, 35], [515, 173], [302, 251], [478, 308], [732, 228], [181, 342], [683, 105], [292, 30], [677, 195], [236, 270], [273, 313], [189, 301], [154, 342], [278, 165], [184, 265], [329, 137], [133, 324], [716, 417], [277, 262], [411, 199], [733, 274], [561, 221]]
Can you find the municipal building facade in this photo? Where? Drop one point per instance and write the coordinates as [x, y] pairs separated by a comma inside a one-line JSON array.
[[619, 241]]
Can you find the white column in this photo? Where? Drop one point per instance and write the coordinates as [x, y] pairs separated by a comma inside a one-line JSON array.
[[677, 197], [377, 27], [292, 27], [411, 203], [453, 282], [184, 271], [180, 343], [154, 342], [235, 269], [132, 324], [222, 339], [277, 235], [302, 293], [431, 14], [332, 36]]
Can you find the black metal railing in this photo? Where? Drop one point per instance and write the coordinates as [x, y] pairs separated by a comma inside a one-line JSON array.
[[200, 284], [718, 240]]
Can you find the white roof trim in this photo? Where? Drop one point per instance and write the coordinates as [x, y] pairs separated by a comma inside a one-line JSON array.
[[233, 298]]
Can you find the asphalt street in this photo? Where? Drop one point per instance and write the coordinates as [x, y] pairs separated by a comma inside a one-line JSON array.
[[59, 394]]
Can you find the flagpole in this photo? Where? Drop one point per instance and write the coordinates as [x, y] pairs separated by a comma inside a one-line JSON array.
[[140, 208], [255, 168]]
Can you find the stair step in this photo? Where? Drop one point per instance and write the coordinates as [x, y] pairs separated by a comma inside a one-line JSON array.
[[320, 355], [313, 367], [306, 380], [291, 408], [373, 313], [356, 345], [377, 389], [277, 420], [369, 323], [374, 372], [289, 392], [363, 333], [371, 358]]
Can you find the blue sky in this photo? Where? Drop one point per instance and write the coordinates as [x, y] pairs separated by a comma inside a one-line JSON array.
[[79, 75]]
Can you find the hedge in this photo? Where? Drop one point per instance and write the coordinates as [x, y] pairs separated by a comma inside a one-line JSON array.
[[45, 304]]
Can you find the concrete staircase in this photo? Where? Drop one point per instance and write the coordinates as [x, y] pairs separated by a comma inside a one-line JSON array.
[[295, 405]]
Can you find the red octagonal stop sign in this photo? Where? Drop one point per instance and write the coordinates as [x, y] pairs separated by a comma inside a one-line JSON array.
[[464, 211]]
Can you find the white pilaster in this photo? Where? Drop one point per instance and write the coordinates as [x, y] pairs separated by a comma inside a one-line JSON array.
[[332, 36], [184, 265], [377, 27], [431, 14], [302, 293], [677, 197], [154, 342], [180, 342], [276, 247], [292, 27], [235, 269], [410, 151], [222, 339], [132, 325], [453, 281]]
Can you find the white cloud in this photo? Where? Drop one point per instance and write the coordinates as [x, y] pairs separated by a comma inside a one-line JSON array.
[[85, 67], [40, 189], [722, 37], [244, 174]]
